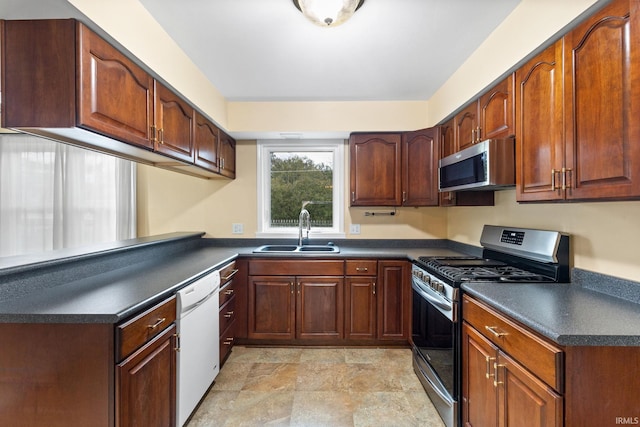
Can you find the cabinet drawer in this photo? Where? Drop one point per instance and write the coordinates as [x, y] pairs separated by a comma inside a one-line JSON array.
[[226, 341], [227, 272], [361, 267], [135, 332], [226, 292], [542, 358], [227, 314], [290, 267]]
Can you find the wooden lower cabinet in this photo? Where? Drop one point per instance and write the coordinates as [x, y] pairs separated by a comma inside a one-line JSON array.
[[394, 300], [102, 375], [360, 308], [512, 376], [499, 391], [295, 307], [356, 301], [146, 384]]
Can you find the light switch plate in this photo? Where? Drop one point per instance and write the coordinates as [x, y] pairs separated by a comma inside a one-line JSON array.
[[354, 229], [237, 228]]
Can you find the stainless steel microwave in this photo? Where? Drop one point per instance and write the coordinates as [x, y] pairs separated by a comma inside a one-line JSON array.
[[487, 165]]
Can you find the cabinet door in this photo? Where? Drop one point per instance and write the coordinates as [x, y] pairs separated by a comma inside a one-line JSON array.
[[174, 124], [420, 152], [497, 111], [539, 126], [466, 126], [524, 400], [602, 98], [375, 169], [320, 308], [146, 384], [115, 95], [227, 155], [271, 307], [206, 143], [360, 308], [479, 394], [447, 148], [394, 299]]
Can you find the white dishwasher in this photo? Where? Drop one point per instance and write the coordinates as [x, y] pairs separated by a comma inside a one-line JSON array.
[[197, 324]]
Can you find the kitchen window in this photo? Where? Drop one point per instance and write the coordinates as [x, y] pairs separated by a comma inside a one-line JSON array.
[[296, 172], [55, 196]]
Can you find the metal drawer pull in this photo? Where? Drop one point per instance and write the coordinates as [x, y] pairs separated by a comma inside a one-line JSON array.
[[492, 329], [495, 369], [228, 341], [362, 269], [233, 273], [229, 314], [228, 292], [489, 360], [158, 323]]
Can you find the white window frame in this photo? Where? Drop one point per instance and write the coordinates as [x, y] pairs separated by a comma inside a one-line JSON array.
[[265, 148]]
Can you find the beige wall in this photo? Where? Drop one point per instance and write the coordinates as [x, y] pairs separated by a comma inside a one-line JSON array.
[[604, 235], [168, 201]]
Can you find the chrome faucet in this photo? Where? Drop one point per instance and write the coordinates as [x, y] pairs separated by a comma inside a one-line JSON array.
[[304, 220]]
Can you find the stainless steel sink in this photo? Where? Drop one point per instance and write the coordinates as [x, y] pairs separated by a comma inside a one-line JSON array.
[[307, 249]]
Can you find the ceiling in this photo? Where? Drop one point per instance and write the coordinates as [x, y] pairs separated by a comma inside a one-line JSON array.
[[266, 50]]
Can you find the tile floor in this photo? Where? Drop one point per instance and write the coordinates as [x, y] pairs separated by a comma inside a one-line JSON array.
[[316, 387]]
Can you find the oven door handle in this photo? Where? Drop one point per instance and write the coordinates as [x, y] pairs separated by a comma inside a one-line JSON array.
[[445, 305]]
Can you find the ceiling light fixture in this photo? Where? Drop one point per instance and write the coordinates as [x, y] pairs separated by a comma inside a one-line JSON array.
[[328, 13]]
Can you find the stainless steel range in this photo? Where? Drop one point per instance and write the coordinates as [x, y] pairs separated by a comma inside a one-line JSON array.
[[509, 254]]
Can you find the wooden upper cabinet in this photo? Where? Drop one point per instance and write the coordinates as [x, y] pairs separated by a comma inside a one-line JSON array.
[[115, 95], [206, 143], [602, 99], [227, 153], [466, 126], [447, 138], [497, 111], [174, 121], [582, 145], [539, 137], [66, 83], [375, 169], [420, 151]]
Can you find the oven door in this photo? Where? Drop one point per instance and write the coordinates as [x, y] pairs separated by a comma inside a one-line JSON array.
[[435, 338]]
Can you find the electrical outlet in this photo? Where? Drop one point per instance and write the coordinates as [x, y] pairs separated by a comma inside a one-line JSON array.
[[237, 228], [354, 229]]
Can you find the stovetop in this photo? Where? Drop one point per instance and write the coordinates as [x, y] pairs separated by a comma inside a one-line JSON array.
[[464, 269]]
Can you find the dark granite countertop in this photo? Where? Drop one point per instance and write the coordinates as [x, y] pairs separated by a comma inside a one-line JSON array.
[[112, 282], [116, 281], [570, 314]]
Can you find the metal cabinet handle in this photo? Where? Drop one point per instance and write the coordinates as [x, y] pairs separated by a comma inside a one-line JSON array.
[[493, 330], [353, 196], [228, 292], [489, 360], [158, 323], [228, 341], [363, 269], [229, 314], [374, 288], [233, 273], [479, 134], [473, 136], [496, 382], [404, 196]]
